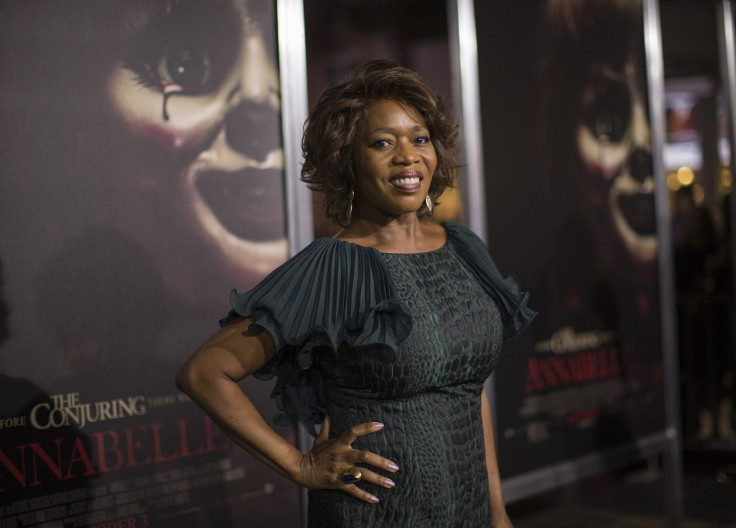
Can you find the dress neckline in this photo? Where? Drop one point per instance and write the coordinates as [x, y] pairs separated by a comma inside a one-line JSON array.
[[443, 246]]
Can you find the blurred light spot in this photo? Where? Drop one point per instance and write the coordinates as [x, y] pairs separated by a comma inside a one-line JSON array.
[[672, 182], [685, 176]]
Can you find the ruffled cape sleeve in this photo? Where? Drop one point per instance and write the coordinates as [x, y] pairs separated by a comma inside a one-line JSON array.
[[504, 288], [329, 295]]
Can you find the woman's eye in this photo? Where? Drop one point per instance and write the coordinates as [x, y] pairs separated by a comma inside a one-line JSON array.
[[186, 67], [381, 143], [422, 140]]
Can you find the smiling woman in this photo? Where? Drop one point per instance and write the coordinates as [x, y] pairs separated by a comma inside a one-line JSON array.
[[384, 334], [395, 161], [334, 137]]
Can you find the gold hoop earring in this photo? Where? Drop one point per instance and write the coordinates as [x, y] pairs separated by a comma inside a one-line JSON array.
[[351, 194], [428, 203]]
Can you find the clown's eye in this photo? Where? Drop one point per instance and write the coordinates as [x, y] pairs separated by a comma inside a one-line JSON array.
[[607, 128], [187, 67], [608, 111], [193, 46]]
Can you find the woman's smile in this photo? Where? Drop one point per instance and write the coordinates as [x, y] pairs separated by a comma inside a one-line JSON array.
[[394, 159], [408, 181]]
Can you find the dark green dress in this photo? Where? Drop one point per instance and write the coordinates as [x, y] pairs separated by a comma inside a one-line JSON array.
[[404, 339]]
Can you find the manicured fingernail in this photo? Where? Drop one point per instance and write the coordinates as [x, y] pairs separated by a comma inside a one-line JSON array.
[[390, 483], [373, 498], [377, 426], [393, 466]]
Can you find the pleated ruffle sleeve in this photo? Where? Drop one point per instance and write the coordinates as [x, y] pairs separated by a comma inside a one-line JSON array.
[[504, 288], [331, 294]]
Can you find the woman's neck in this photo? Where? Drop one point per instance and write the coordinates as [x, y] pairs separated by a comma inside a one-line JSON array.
[[401, 234]]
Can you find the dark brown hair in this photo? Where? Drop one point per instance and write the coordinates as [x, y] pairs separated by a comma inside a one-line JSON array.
[[331, 129]]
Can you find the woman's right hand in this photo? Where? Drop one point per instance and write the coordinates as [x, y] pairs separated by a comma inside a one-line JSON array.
[[210, 378], [324, 465]]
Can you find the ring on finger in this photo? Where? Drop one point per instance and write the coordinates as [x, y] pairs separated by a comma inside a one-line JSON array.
[[351, 475]]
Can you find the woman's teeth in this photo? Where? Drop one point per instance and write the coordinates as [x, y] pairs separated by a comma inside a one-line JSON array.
[[405, 181]]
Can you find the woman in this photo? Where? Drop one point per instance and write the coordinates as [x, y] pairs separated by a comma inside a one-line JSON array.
[[385, 333]]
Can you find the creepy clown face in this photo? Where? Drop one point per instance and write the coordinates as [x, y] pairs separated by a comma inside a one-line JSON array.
[[158, 120], [196, 82], [614, 143]]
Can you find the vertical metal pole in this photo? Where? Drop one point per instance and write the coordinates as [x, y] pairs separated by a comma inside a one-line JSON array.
[[466, 96], [727, 52], [294, 111], [464, 65], [655, 76]]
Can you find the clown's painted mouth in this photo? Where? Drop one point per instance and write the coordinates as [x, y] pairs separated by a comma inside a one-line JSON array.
[[248, 203], [638, 210]]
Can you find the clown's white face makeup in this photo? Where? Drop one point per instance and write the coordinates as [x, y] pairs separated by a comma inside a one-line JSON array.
[[144, 164], [613, 139], [196, 89]]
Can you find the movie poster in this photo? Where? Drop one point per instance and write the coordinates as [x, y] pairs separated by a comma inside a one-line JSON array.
[[141, 180], [570, 199]]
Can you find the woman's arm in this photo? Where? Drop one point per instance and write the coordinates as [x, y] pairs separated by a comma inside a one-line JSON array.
[[499, 518], [210, 378]]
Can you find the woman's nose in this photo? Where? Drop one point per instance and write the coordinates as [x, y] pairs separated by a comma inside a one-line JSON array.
[[405, 153]]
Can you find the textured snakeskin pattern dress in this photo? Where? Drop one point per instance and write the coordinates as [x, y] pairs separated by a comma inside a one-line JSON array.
[[403, 339], [428, 399]]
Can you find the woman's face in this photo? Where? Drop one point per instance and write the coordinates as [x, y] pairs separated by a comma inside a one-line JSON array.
[[394, 161], [193, 94], [614, 143]]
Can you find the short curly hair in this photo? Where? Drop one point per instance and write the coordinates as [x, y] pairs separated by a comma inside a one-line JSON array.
[[332, 125]]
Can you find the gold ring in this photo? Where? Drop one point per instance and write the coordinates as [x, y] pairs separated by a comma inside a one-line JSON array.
[[352, 475]]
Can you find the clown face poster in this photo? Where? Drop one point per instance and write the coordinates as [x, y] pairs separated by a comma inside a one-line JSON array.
[[570, 200], [142, 179]]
